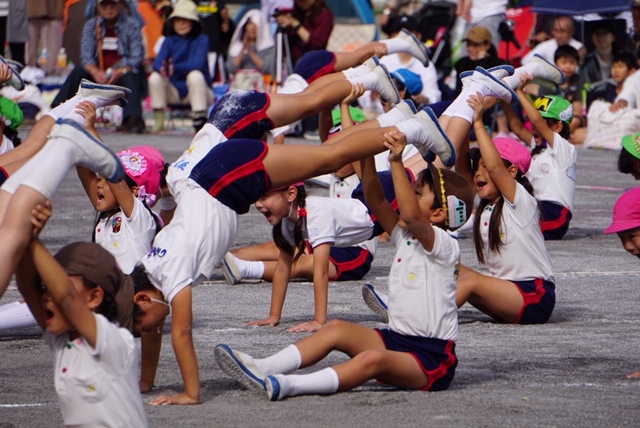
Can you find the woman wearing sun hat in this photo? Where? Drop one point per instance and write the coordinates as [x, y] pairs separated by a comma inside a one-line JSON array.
[[180, 71]]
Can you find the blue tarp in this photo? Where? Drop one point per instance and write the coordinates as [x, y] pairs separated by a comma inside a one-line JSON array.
[[581, 7]]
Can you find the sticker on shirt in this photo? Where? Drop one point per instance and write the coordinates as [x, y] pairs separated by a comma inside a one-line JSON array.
[[313, 232], [110, 44], [116, 224], [571, 172]]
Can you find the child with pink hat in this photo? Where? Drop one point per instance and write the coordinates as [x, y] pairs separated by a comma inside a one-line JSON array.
[[520, 288]]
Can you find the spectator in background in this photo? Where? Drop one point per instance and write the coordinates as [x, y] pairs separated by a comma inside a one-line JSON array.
[[395, 9], [562, 33], [73, 20], [480, 53], [217, 25], [567, 59], [252, 46], [45, 31], [112, 52], [17, 29], [180, 71], [486, 13], [597, 64]]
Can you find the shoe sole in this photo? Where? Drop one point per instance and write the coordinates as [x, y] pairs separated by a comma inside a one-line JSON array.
[[122, 102], [374, 302], [408, 108], [563, 78], [231, 275], [118, 173], [384, 74], [424, 51], [512, 95], [437, 132], [236, 369], [273, 388]]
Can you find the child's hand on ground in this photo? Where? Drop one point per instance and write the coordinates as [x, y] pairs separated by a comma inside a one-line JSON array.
[[476, 102], [182, 399], [306, 327], [525, 78], [271, 322], [39, 217], [87, 109], [634, 375], [395, 142], [357, 91]]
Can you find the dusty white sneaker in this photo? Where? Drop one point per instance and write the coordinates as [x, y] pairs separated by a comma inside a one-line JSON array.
[[438, 142], [240, 366], [499, 72], [386, 88], [274, 387], [103, 95], [418, 49], [497, 88], [15, 80], [548, 71], [230, 269], [375, 302]]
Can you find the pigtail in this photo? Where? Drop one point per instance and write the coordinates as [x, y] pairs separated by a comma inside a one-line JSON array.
[[300, 223]]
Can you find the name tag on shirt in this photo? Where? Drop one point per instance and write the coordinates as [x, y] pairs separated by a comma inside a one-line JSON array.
[[110, 44]]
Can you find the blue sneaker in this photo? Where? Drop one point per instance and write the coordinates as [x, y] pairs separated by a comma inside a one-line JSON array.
[[98, 157], [375, 302], [438, 142], [418, 49], [274, 390], [240, 366]]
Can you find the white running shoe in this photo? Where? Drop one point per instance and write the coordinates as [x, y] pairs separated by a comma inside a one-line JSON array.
[[97, 157], [375, 302], [240, 366], [499, 72], [110, 94], [387, 89], [438, 142], [230, 269], [372, 63], [274, 389], [418, 49], [498, 89], [550, 71], [407, 107], [15, 80]]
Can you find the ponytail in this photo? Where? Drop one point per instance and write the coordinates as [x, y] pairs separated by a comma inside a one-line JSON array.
[[298, 236]]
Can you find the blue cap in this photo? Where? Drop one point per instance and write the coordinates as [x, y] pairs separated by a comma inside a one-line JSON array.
[[409, 79]]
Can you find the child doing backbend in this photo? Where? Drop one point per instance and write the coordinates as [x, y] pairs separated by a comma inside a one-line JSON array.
[[626, 224], [95, 361], [507, 235], [418, 350], [218, 184], [553, 159]]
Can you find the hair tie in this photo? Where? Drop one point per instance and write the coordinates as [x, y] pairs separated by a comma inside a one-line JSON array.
[[302, 212], [149, 198]]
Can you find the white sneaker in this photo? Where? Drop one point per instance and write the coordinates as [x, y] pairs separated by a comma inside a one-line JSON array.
[[499, 72], [15, 80], [407, 107], [498, 89], [98, 157], [375, 302], [15, 65], [387, 89], [275, 391], [110, 94], [418, 49], [372, 63], [438, 142], [550, 71], [230, 269], [240, 366]]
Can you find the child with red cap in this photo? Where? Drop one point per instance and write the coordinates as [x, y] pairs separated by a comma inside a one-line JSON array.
[[507, 234]]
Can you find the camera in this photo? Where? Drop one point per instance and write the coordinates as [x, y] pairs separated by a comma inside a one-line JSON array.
[[277, 12]]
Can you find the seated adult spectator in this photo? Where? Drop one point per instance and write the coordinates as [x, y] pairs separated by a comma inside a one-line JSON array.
[[252, 46], [112, 53], [219, 27], [481, 53], [180, 71], [395, 9], [562, 32], [596, 66]]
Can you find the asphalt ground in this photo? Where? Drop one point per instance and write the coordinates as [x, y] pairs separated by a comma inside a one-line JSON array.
[[569, 372]]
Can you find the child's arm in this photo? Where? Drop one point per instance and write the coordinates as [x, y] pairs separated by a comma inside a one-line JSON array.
[[151, 344], [325, 122], [533, 114], [515, 124], [181, 328], [410, 211], [320, 290], [499, 173], [281, 277], [374, 195]]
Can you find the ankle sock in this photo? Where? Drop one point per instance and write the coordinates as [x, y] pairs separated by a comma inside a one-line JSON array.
[[321, 382], [391, 117], [414, 131], [397, 44], [249, 269], [285, 361]]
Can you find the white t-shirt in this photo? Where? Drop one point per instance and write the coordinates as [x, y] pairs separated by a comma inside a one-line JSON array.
[[127, 239], [523, 255], [553, 173], [422, 286], [98, 387], [547, 50], [481, 9], [6, 145], [342, 222], [428, 75]]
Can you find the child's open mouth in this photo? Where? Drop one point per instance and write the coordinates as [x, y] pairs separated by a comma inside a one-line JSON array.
[[480, 184], [100, 196]]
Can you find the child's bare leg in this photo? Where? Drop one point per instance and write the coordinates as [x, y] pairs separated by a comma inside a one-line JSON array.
[[267, 251], [496, 297], [457, 130], [32, 144]]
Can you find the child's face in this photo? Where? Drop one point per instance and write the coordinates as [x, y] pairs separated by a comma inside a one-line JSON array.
[[567, 65], [105, 199], [631, 241], [56, 320], [426, 197], [484, 184], [182, 26], [477, 51], [620, 72], [562, 31], [275, 205], [151, 311]]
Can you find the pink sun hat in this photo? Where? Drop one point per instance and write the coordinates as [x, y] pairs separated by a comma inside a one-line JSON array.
[[626, 212], [143, 164], [514, 152]]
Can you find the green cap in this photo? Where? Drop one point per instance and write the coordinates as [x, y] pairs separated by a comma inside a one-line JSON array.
[[631, 143], [10, 114], [357, 115], [555, 107]]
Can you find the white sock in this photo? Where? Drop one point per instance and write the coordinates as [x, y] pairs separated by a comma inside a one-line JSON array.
[[355, 71], [391, 117], [64, 109], [17, 316], [285, 361], [533, 68], [450, 111], [369, 80], [463, 109], [251, 270], [414, 131], [321, 382], [397, 44]]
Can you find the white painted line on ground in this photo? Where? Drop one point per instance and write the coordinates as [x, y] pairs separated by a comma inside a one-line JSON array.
[[23, 405], [630, 272]]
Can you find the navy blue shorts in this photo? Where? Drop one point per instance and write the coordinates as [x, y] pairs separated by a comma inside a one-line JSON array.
[[539, 299], [233, 173], [352, 263], [436, 357], [315, 64], [242, 114], [389, 195], [554, 221], [3, 175]]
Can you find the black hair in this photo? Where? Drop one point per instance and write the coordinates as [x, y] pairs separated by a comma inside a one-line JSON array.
[[314, 11], [495, 223], [141, 282], [566, 51], [298, 237], [168, 30], [12, 134], [108, 307], [628, 163], [626, 57], [401, 87]]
